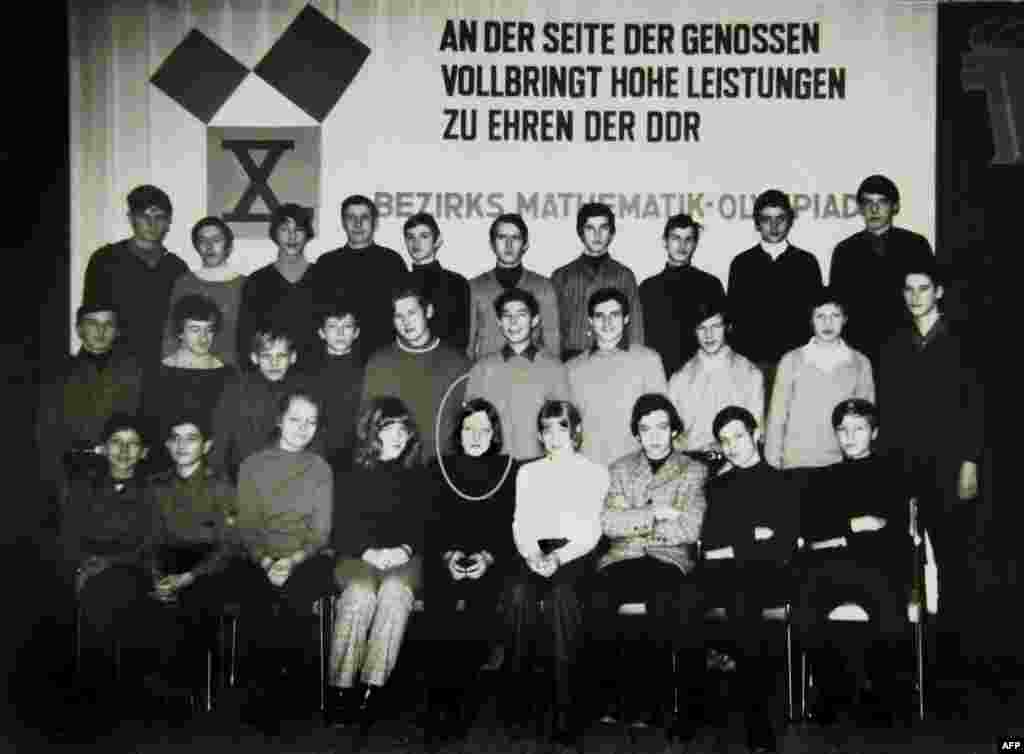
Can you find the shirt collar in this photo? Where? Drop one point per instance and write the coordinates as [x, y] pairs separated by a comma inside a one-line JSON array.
[[923, 341], [530, 352], [775, 250]]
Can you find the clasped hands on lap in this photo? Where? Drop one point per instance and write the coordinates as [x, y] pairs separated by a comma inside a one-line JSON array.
[[462, 566]]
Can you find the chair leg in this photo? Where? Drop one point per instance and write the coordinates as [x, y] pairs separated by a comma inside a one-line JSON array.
[[790, 703], [919, 663], [326, 610], [233, 667]]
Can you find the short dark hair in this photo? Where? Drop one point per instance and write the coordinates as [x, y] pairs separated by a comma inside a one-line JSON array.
[[422, 218], [707, 309], [855, 407], [143, 197], [648, 403], [266, 336], [601, 295], [826, 294], [201, 420], [384, 410], [410, 291], [360, 199], [92, 307], [336, 308], [925, 266], [215, 222], [682, 221], [285, 402], [510, 218], [594, 209], [878, 184], [773, 198], [516, 294], [196, 307], [470, 407], [122, 420], [731, 414], [566, 413], [303, 217]]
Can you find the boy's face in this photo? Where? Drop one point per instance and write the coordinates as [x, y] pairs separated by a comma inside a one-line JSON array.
[[711, 334], [655, 432], [855, 436], [773, 224], [680, 243], [150, 226], [197, 336], [739, 445], [516, 323], [508, 245], [123, 449], [291, 238], [98, 331], [359, 226], [421, 244], [556, 437], [597, 235], [212, 246], [921, 295], [339, 333], [608, 323], [878, 211], [412, 323], [187, 445], [828, 321], [275, 360]]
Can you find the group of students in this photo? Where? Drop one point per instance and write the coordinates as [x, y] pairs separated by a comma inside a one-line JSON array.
[[357, 427]]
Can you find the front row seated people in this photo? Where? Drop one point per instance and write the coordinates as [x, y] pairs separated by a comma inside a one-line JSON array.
[[748, 538], [652, 520], [378, 537], [471, 556], [854, 523], [557, 522]]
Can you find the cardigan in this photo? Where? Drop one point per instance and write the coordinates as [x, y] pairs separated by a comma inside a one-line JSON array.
[[628, 520], [704, 386], [556, 497], [670, 303], [421, 380], [770, 301], [869, 283], [363, 279], [484, 331], [285, 501], [384, 506], [518, 386], [76, 403], [605, 385], [448, 291], [800, 431], [116, 275], [575, 282], [198, 513], [227, 295]]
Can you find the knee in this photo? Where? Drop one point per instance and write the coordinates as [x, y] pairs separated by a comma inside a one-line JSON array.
[[395, 591], [359, 593]]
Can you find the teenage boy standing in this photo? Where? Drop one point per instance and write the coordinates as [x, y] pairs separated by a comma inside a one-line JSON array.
[[448, 291]]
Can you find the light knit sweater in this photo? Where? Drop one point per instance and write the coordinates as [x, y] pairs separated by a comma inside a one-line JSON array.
[[605, 385], [560, 497], [704, 386], [800, 430]]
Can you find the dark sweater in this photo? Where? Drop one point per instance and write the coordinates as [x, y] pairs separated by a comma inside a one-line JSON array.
[[670, 300], [742, 499], [448, 291], [194, 514], [386, 506], [770, 301], [98, 519], [76, 403], [868, 275], [363, 279], [116, 275], [932, 399], [268, 298], [171, 393], [338, 382], [474, 525]]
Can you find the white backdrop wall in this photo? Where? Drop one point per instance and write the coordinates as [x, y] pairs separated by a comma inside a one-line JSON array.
[[385, 135]]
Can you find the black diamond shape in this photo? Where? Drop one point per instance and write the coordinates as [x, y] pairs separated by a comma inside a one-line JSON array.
[[313, 62], [199, 75]]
